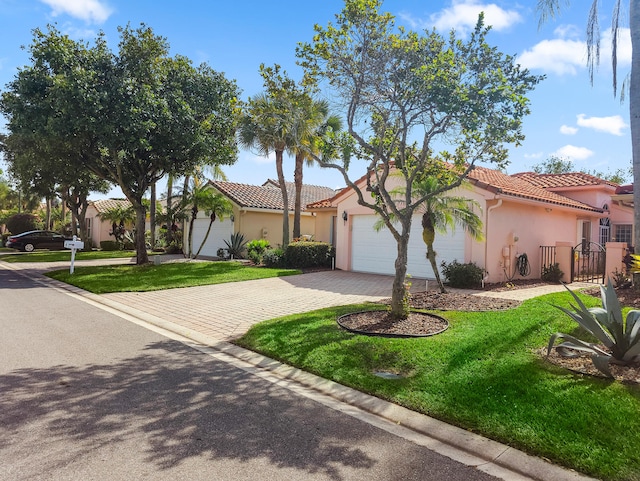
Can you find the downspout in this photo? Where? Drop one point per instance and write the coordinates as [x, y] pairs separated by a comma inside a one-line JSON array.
[[486, 242]]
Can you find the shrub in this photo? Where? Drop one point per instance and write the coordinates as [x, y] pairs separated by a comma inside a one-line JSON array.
[[462, 275], [620, 338], [109, 245], [19, 223], [273, 258], [552, 273], [308, 254], [237, 245], [256, 248]]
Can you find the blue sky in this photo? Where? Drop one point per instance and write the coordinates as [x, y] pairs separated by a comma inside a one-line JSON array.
[[570, 118]]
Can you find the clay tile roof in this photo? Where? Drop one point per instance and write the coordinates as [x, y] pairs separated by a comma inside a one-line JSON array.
[[268, 195], [559, 181], [624, 189], [517, 186], [104, 205]]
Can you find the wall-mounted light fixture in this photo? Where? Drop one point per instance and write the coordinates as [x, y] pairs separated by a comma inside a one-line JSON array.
[[344, 216], [232, 217]]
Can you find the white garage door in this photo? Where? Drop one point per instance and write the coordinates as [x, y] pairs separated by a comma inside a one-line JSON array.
[[376, 252], [220, 231]]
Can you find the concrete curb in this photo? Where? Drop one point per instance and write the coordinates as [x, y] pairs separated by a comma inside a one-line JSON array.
[[488, 450]]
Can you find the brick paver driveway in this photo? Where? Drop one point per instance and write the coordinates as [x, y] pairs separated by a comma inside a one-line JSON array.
[[226, 311]]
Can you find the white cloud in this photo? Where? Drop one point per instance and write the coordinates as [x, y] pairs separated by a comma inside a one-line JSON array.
[[462, 16], [560, 56], [623, 54], [91, 11], [567, 130], [535, 155], [571, 152], [611, 125], [565, 55]]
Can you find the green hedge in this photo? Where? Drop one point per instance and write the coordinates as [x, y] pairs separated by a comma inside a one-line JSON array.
[[308, 254], [109, 245]]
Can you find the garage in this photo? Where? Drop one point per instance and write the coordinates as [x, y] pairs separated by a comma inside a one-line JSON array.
[[220, 231], [375, 252]]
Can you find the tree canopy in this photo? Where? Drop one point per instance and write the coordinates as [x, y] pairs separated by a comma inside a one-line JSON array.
[[417, 103], [128, 117]]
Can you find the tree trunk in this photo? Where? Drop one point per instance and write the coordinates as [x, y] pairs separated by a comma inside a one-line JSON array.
[[48, 214], [428, 236], [285, 199], [634, 115], [399, 310], [169, 233], [431, 256], [297, 179], [152, 215], [194, 215], [141, 216]]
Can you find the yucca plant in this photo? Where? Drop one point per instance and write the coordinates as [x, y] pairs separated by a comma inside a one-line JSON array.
[[621, 338]]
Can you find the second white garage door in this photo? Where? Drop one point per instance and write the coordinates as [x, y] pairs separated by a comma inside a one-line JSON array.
[[376, 252]]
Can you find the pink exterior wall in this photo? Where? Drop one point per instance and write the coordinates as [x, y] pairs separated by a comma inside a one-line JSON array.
[[512, 227], [534, 226]]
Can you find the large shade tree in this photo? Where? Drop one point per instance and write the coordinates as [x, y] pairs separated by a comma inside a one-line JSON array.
[[129, 117], [551, 8], [416, 103]]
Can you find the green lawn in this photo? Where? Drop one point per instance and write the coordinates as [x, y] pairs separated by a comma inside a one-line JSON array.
[[133, 278], [483, 375], [12, 255]]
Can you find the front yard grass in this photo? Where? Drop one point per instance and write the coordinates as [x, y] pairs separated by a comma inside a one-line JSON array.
[[56, 256], [134, 278], [483, 375]]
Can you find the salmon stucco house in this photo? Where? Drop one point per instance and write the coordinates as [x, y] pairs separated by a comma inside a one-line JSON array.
[[521, 214]]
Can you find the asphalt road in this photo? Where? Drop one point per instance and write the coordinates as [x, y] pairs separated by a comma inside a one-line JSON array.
[[87, 395]]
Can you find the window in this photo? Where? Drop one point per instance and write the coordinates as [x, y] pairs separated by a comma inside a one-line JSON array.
[[88, 223], [605, 230], [623, 233]]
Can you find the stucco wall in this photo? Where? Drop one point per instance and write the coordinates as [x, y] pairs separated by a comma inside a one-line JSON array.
[[533, 226], [99, 229], [255, 224], [324, 226]]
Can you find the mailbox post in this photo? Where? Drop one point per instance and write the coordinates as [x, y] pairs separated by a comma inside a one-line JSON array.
[[74, 245]]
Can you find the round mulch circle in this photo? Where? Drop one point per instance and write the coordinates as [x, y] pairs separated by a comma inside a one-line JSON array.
[[380, 323]]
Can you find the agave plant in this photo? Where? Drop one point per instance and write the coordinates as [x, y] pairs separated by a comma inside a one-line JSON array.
[[621, 338], [237, 245]]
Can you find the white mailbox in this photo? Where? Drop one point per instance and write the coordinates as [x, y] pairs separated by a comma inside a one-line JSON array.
[[74, 245]]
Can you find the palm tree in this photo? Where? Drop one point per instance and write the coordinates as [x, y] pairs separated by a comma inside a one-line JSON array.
[[441, 213], [551, 8], [312, 122], [266, 126], [120, 217], [215, 206]]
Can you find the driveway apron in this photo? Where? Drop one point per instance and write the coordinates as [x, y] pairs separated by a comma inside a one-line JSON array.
[[226, 311]]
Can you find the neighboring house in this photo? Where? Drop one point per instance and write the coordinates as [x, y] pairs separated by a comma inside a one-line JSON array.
[[520, 214], [98, 229], [257, 214]]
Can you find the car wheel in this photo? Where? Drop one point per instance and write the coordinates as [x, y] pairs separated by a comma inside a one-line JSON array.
[[29, 247]]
